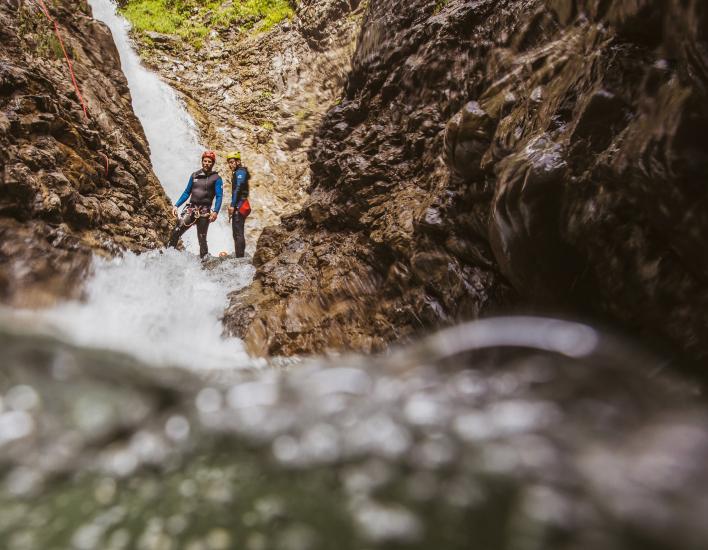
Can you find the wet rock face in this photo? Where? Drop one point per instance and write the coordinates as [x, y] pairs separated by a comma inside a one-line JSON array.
[[69, 185], [456, 443], [552, 148], [264, 94]]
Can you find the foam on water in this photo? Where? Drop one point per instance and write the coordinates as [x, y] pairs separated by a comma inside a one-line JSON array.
[[162, 307]]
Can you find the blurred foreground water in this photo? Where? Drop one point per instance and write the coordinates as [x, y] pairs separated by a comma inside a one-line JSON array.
[[510, 433]]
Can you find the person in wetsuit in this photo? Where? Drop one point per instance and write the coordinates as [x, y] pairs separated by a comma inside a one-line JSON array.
[[239, 193], [203, 187]]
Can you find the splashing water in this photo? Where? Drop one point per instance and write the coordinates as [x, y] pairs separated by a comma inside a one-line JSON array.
[[162, 307], [174, 145]]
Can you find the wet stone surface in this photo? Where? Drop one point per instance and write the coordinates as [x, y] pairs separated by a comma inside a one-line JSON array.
[[69, 185], [526, 155], [464, 441]]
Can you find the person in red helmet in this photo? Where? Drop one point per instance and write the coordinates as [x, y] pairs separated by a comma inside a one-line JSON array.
[[204, 188]]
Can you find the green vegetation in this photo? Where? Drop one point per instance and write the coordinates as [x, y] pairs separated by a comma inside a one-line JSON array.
[[37, 35], [439, 5], [193, 19]]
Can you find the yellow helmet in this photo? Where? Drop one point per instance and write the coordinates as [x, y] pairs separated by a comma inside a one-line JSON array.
[[234, 155]]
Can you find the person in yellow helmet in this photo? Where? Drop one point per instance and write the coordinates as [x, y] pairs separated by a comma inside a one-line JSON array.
[[239, 193]]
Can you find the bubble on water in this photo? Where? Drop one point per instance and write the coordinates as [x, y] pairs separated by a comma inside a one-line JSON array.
[[252, 394], [434, 452], [218, 539], [338, 380], [510, 417], [87, 537], [23, 481], [119, 539], [148, 447], [209, 401], [380, 524], [473, 426], [177, 428], [379, 434], [22, 398], [122, 462], [92, 414], [286, 449], [365, 478], [423, 410], [320, 443], [188, 488], [269, 508], [105, 491], [15, 425], [176, 524]]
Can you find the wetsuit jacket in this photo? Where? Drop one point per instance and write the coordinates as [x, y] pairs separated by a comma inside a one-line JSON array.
[[203, 188], [239, 186]]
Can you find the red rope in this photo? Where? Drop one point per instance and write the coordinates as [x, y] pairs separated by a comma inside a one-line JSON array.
[[66, 55]]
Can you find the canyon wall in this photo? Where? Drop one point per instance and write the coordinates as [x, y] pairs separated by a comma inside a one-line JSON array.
[[70, 183], [500, 155]]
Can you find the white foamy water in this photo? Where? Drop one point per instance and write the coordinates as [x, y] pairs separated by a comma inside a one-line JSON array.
[[175, 150], [162, 307]]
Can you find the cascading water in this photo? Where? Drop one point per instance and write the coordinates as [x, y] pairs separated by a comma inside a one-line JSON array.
[[174, 146], [163, 306]]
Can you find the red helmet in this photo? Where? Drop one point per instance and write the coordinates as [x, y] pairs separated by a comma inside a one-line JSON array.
[[209, 154]]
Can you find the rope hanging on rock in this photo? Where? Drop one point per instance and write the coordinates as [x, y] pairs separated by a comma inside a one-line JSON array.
[[43, 6]]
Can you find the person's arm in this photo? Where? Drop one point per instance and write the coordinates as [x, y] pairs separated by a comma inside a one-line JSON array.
[[239, 184], [219, 187], [234, 191], [185, 195]]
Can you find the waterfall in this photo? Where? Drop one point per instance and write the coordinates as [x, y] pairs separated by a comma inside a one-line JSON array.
[[163, 307]]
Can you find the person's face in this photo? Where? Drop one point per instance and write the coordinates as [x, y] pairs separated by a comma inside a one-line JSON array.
[[234, 163], [207, 164]]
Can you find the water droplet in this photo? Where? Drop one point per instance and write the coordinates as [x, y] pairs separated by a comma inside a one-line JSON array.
[[177, 428], [209, 400], [22, 398]]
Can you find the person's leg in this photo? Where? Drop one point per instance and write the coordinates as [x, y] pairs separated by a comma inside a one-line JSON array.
[[183, 224], [237, 228], [202, 229]]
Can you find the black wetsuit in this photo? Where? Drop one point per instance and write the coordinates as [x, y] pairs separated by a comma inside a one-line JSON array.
[[239, 192], [201, 191]]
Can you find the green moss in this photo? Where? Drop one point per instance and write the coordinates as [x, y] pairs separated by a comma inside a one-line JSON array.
[[193, 19], [439, 5]]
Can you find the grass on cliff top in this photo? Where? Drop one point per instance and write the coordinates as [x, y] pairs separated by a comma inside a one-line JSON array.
[[193, 19]]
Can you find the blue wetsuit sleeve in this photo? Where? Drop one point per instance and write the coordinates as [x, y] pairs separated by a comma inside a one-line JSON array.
[[219, 187], [239, 178], [185, 195], [234, 194]]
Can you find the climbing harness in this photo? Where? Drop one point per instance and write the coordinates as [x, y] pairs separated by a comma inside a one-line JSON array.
[[195, 211], [44, 9]]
